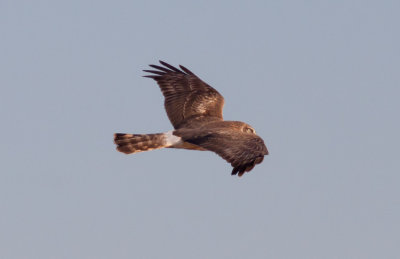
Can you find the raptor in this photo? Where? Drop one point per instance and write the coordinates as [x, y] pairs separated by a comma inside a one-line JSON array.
[[195, 111]]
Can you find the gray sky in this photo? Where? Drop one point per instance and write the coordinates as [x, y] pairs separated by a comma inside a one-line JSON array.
[[318, 80]]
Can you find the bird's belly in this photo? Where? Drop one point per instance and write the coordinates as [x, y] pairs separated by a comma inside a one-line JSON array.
[[187, 145]]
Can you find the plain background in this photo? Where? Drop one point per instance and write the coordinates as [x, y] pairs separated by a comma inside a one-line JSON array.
[[318, 80]]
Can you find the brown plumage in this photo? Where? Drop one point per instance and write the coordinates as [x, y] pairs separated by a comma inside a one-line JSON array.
[[187, 98], [134, 143], [195, 110]]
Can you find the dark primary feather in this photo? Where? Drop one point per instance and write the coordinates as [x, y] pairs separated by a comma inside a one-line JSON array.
[[188, 100]]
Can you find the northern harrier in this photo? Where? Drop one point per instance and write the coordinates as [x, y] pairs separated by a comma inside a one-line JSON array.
[[195, 110]]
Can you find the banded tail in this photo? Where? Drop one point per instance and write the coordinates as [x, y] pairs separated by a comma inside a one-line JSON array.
[[134, 143]]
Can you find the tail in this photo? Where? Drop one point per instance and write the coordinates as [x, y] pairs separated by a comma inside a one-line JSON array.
[[134, 143]]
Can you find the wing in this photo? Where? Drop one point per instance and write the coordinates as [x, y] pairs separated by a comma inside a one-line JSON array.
[[187, 97], [242, 150]]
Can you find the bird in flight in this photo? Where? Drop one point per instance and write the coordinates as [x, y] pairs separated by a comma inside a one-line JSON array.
[[195, 111]]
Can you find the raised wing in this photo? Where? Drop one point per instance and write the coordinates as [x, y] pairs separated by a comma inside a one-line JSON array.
[[242, 150], [187, 97]]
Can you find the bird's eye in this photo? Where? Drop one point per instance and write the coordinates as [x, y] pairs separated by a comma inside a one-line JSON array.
[[249, 130]]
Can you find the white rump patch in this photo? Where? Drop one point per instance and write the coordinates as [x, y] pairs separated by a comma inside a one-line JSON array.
[[171, 139]]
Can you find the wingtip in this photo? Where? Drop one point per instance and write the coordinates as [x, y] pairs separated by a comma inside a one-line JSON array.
[[163, 62], [150, 76], [186, 70]]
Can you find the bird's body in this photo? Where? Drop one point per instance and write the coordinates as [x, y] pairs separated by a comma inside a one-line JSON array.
[[195, 110]]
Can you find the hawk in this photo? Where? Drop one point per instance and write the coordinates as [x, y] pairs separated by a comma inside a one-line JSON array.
[[195, 111]]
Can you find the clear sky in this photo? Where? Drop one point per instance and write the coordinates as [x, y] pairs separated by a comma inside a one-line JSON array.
[[318, 80]]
